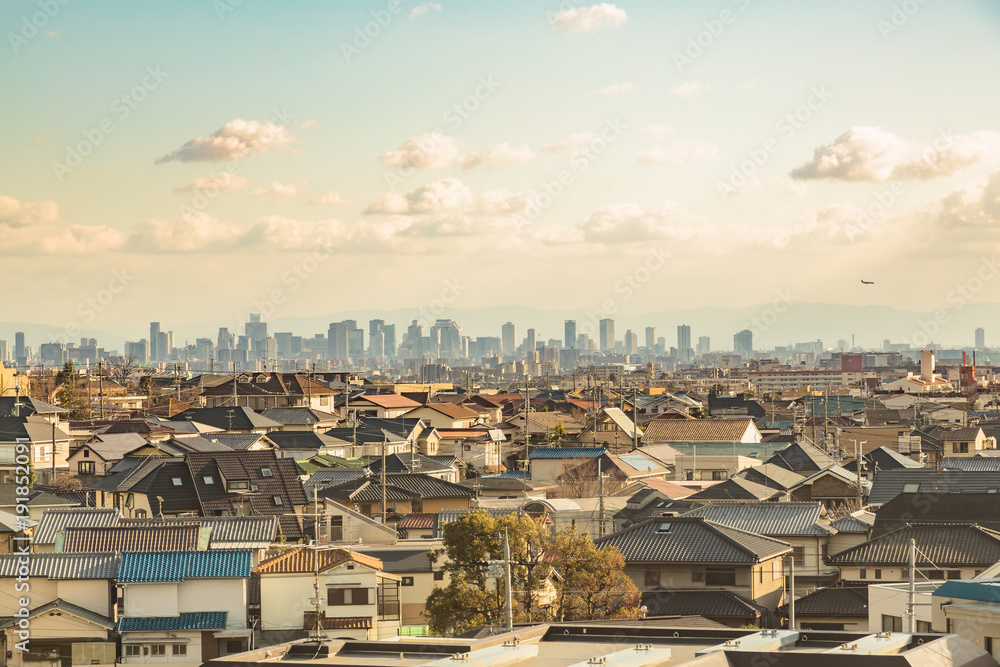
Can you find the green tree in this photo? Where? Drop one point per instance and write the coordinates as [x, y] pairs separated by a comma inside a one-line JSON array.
[[66, 381], [591, 582], [559, 432]]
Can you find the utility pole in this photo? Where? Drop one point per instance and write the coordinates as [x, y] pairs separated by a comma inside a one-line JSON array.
[[600, 495], [53, 452], [508, 595], [635, 421], [100, 386], [384, 442], [791, 592], [911, 597], [235, 400]]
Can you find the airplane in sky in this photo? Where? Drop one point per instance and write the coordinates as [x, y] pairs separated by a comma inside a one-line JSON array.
[[867, 282]]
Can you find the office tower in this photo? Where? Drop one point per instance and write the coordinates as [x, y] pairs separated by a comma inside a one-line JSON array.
[[415, 338], [661, 345], [743, 343], [4, 351], [684, 341], [138, 350], [448, 337], [154, 341], [570, 333], [243, 344], [256, 331], [631, 342], [607, 327], [204, 348], [704, 345], [980, 338], [530, 343], [163, 345], [582, 342], [226, 340], [650, 338], [284, 340], [507, 338], [389, 340], [355, 341], [337, 341], [376, 344]]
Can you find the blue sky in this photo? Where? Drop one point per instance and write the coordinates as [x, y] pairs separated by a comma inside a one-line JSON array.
[[903, 98]]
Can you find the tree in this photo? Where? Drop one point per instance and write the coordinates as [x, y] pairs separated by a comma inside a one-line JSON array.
[[67, 395], [559, 432], [592, 583], [67, 482]]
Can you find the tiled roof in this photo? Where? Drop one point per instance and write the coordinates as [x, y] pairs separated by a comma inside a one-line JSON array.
[[979, 508], [429, 487], [168, 566], [59, 519], [24, 406], [225, 532], [856, 522], [736, 488], [237, 441], [403, 560], [834, 601], [883, 458], [802, 457], [229, 418], [971, 463], [389, 401], [63, 566], [937, 545], [62, 606], [417, 521], [700, 602], [111, 539], [303, 560], [566, 452], [769, 474], [695, 430], [890, 483], [414, 462], [325, 477], [202, 620], [308, 440], [691, 540], [299, 416], [452, 411], [773, 519]]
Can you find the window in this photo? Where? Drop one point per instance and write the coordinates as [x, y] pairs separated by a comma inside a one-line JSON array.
[[960, 447], [350, 596], [407, 581], [439, 575], [266, 472], [180, 649], [86, 453], [878, 574], [365, 508], [720, 475], [911, 488], [234, 646], [652, 576], [720, 576], [862, 573], [158, 649], [140, 514], [954, 574], [924, 626], [935, 574], [467, 448], [799, 555], [176, 481], [698, 576], [132, 650], [86, 468], [417, 505], [278, 501], [892, 623], [209, 479]]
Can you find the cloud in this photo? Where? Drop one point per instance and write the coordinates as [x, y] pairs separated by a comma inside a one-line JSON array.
[[657, 132], [501, 155], [234, 140], [589, 19], [679, 152], [331, 198], [689, 89], [222, 181], [15, 213], [196, 232], [280, 192], [420, 10], [615, 89], [449, 194], [432, 150], [569, 145], [872, 154], [630, 223]]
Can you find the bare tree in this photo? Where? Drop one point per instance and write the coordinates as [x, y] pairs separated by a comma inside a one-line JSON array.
[[121, 369]]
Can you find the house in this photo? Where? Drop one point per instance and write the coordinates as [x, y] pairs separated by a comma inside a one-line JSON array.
[[445, 415], [417, 578], [649, 503], [659, 431], [342, 525], [243, 533], [736, 488], [97, 455], [359, 600], [302, 445], [977, 463], [770, 475], [970, 609], [835, 608], [833, 486], [302, 418], [232, 420], [14, 531], [509, 488], [35, 436], [619, 471], [982, 509], [414, 463], [544, 426], [734, 406], [54, 521], [931, 483], [263, 390], [116, 539], [943, 551], [183, 606], [716, 467], [692, 553], [384, 406], [802, 457], [38, 502], [612, 428], [478, 447], [404, 493], [370, 435], [547, 464], [852, 530], [719, 605], [888, 606], [967, 442], [881, 458]]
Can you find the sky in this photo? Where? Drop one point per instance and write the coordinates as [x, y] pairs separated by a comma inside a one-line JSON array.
[[194, 161]]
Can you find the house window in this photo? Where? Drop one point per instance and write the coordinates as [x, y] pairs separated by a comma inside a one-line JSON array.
[[439, 575], [720, 576], [892, 623], [862, 573], [86, 453], [935, 574], [86, 468], [158, 649], [234, 646], [208, 479], [698, 576], [349, 596], [799, 555], [720, 475], [878, 574], [278, 500], [417, 505], [133, 650], [960, 447], [954, 574], [365, 508], [265, 472], [407, 581], [652, 576], [180, 649], [140, 514]]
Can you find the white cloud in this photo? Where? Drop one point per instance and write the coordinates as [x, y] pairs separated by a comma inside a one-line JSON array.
[[630, 223], [657, 132], [432, 150], [331, 198], [420, 10], [615, 89], [234, 140], [569, 145], [589, 19], [689, 89], [54, 240], [15, 213], [449, 194], [196, 232], [866, 153], [280, 192], [222, 181], [679, 152], [501, 155]]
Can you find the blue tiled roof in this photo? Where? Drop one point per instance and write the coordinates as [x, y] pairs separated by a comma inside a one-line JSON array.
[[180, 565], [202, 620], [566, 453], [981, 590]]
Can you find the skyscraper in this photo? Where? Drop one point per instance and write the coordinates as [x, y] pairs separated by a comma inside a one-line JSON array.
[[743, 343], [704, 345], [448, 335], [631, 342], [337, 341], [650, 338], [225, 341], [256, 331], [530, 344], [684, 342], [980, 338], [607, 327], [507, 339], [570, 333], [389, 339], [154, 341]]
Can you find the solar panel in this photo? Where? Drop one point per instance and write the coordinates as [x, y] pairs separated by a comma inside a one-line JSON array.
[[638, 461]]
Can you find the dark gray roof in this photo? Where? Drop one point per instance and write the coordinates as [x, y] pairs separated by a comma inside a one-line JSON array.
[[24, 406], [299, 416], [978, 508], [971, 463], [228, 419], [402, 561], [226, 532], [771, 475], [700, 602], [238, 441], [938, 545], [62, 605], [834, 601], [856, 522], [128, 472], [37, 498], [325, 477], [772, 519], [59, 519], [890, 483], [309, 440], [63, 566], [736, 489], [417, 463], [802, 457], [691, 540], [883, 458]]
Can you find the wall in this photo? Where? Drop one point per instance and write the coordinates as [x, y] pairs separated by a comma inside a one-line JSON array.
[[191, 640], [228, 595], [92, 594], [147, 600]]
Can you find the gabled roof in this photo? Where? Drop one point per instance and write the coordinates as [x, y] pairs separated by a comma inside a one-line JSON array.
[[201, 620], [229, 418], [299, 416], [938, 545], [772, 519], [691, 540], [306, 560], [388, 401], [802, 457], [114, 539], [971, 463], [303, 440], [237, 441], [859, 522], [833, 601], [979, 508], [566, 452], [34, 427], [883, 458], [175, 566], [411, 462], [770, 475], [736, 488], [62, 566], [56, 520], [890, 483], [11, 406], [700, 602], [623, 422], [325, 477], [113, 446], [695, 430], [225, 532], [452, 411], [62, 606], [405, 486]]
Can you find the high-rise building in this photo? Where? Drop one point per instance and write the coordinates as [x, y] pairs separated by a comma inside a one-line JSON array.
[[154, 341], [607, 327], [4, 351], [164, 345], [256, 331], [650, 338], [284, 342], [448, 335], [570, 333], [355, 340], [631, 342], [138, 350], [336, 340], [375, 328], [415, 339], [226, 340], [507, 339], [980, 338], [389, 340], [530, 343], [684, 341], [704, 345], [743, 343]]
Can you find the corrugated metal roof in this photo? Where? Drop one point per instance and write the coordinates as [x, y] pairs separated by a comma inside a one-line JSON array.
[[63, 566], [202, 620], [938, 546], [227, 532], [696, 430], [112, 539], [835, 601], [974, 463], [667, 602], [303, 559], [773, 519], [566, 452], [150, 567], [59, 519]]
